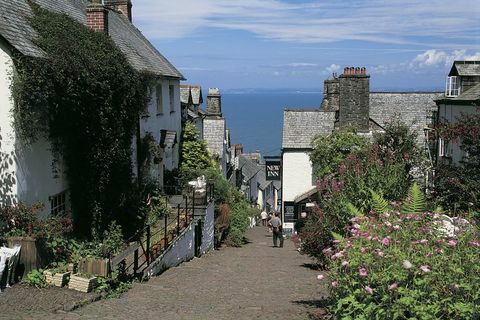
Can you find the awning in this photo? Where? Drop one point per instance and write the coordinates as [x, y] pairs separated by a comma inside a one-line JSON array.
[[167, 138], [306, 195]]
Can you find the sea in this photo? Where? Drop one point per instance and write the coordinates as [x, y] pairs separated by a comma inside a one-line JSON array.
[[255, 119]]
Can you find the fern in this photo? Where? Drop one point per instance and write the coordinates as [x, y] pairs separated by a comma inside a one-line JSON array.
[[379, 204], [336, 236], [354, 211], [415, 202]]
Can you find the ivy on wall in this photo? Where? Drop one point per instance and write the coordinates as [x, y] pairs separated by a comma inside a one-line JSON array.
[[84, 97]]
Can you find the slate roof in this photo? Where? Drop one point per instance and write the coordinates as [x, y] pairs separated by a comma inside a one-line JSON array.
[[465, 68], [248, 167], [412, 108], [214, 135], [277, 184], [185, 94], [197, 97], [301, 126], [141, 54]]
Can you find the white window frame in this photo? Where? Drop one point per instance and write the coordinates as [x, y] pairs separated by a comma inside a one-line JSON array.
[[58, 203], [171, 95], [159, 98], [452, 87]]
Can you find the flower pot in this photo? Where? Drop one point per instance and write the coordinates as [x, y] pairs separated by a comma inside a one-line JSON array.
[[82, 284], [59, 279], [170, 236], [162, 244]]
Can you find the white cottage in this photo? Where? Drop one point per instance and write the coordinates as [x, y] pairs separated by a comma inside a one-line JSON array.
[[26, 173]]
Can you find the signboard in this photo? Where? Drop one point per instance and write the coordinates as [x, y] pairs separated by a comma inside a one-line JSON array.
[[289, 213], [273, 170]]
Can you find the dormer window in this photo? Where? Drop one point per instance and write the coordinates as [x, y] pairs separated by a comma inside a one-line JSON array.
[[452, 88]]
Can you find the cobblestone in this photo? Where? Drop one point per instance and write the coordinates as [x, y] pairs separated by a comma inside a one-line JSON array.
[[256, 281]]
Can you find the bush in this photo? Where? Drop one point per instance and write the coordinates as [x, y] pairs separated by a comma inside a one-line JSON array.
[[399, 264]]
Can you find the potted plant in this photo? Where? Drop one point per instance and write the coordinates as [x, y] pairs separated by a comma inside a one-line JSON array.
[[57, 275], [82, 282]]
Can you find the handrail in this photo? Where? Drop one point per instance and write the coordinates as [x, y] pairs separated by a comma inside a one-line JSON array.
[[147, 241]]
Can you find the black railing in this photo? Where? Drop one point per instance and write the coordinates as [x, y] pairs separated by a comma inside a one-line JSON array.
[[152, 240]]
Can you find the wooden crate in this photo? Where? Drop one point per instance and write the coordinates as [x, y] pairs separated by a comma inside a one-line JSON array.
[[82, 284], [58, 279], [32, 255], [98, 267]]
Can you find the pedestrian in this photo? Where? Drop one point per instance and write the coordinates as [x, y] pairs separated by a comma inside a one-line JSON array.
[[276, 225], [300, 222], [264, 217]]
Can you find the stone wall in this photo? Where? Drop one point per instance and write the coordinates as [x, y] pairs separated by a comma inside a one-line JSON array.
[[331, 95], [214, 102], [354, 101]]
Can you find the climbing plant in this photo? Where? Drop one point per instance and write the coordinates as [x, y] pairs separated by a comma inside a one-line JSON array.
[[83, 96]]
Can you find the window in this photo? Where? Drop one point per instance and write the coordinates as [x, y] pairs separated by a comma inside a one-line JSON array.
[[443, 148], [159, 99], [452, 88], [171, 91], [58, 204]]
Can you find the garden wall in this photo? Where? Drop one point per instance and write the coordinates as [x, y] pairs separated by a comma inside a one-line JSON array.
[[183, 249]]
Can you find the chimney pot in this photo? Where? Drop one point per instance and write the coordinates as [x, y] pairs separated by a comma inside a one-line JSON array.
[[357, 71], [352, 71], [345, 71], [124, 6], [364, 71]]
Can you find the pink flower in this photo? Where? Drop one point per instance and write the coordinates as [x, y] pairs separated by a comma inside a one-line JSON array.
[[336, 241], [375, 239], [356, 226], [474, 243], [388, 224], [423, 241], [320, 277], [334, 284], [327, 250], [337, 255], [407, 264], [368, 290], [425, 269], [348, 245], [392, 287], [386, 241], [378, 253], [344, 263], [399, 220], [396, 227], [452, 243], [386, 215], [429, 254], [363, 272], [363, 249]]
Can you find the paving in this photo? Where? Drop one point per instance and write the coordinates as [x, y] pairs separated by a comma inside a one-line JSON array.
[[256, 281]]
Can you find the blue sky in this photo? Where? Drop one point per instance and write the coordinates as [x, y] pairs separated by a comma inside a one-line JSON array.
[[405, 44]]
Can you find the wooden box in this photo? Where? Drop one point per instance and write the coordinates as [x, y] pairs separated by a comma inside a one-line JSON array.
[[82, 284], [58, 279]]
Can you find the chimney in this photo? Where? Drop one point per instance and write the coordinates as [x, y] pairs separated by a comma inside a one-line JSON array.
[[124, 6], [97, 17], [214, 102], [354, 99]]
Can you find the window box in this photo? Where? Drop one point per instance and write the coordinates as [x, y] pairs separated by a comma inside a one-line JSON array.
[[82, 283], [59, 279]]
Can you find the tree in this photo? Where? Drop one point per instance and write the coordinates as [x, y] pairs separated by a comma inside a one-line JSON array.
[[195, 156]]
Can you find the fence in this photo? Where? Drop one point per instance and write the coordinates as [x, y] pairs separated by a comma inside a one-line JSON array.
[[151, 241]]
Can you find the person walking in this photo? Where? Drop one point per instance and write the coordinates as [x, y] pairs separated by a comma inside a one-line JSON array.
[[276, 225], [264, 217]]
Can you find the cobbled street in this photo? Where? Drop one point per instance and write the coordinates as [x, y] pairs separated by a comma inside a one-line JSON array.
[[256, 281]]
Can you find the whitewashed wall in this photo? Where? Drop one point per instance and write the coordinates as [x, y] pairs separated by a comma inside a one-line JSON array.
[[208, 229], [450, 113], [296, 176], [167, 120], [26, 172]]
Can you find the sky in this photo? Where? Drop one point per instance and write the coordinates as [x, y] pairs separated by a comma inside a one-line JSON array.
[[275, 44]]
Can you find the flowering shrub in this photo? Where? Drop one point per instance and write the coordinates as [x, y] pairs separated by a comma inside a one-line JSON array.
[[405, 265]]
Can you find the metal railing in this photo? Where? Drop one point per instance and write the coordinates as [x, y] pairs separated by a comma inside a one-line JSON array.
[[152, 240]]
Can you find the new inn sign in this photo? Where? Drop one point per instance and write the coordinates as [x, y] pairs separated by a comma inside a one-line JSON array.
[[273, 169]]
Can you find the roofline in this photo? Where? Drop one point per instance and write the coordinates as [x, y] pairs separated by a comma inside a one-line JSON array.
[[457, 101], [296, 149], [307, 110], [407, 92]]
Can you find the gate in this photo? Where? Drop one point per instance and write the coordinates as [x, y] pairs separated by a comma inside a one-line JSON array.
[[198, 238]]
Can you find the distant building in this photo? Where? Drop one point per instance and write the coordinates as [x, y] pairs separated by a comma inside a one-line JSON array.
[[191, 99], [215, 131], [347, 101], [462, 95]]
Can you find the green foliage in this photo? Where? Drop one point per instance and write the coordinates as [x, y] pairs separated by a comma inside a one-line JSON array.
[[379, 204], [415, 202], [239, 221], [328, 152], [112, 241], [194, 154], [85, 98], [35, 278], [398, 266]]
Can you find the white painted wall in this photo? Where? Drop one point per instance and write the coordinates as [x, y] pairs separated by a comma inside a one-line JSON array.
[[450, 113], [166, 120], [26, 172], [296, 177]]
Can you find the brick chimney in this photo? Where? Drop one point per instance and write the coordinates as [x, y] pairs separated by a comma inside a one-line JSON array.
[[124, 6], [214, 102], [354, 99], [97, 17]]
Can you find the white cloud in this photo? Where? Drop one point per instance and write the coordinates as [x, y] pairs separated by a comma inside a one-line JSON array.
[[436, 58], [332, 68], [393, 21], [301, 64]]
